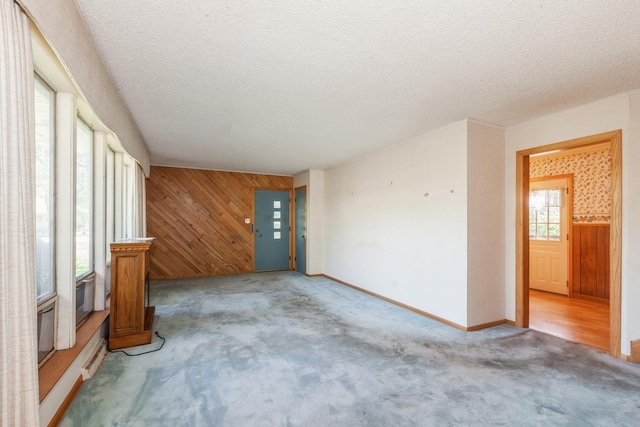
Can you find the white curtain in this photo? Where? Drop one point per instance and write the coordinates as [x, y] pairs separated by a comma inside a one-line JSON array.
[[140, 219], [19, 401]]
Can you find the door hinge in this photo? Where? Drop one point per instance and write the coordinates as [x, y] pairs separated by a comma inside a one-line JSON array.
[[289, 258], [567, 283], [567, 236]]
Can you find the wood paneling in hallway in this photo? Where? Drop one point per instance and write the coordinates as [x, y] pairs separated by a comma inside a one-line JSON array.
[[590, 260], [573, 319]]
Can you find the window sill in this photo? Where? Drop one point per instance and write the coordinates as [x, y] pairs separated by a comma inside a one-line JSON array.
[[54, 368]]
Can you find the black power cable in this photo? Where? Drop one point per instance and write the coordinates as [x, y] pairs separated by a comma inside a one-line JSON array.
[[148, 295], [145, 352]]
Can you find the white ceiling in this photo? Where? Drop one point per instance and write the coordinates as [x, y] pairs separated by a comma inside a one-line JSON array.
[[283, 86]]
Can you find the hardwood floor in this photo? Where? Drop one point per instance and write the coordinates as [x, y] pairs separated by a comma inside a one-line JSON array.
[[573, 319]]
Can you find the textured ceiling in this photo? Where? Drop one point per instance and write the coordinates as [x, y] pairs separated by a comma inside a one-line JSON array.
[[283, 86]]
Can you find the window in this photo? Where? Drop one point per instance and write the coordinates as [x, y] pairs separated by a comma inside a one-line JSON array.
[[46, 329], [127, 196], [110, 215], [45, 217], [45, 184], [110, 202], [544, 214], [85, 280], [76, 179], [84, 200]]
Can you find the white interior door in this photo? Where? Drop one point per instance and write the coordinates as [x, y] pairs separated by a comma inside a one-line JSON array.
[[548, 235]]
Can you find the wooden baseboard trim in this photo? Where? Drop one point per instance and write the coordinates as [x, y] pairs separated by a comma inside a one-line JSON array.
[[486, 325], [510, 322], [399, 304], [421, 312], [635, 351], [315, 275], [590, 298], [67, 402]]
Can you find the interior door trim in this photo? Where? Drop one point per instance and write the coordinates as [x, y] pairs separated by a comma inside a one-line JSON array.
[[522, 230], [295, 224]]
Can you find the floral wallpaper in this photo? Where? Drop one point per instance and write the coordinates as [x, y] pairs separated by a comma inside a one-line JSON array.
[[591, 181]]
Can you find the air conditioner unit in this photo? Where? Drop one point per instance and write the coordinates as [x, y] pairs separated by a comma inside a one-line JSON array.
[[85, 289]]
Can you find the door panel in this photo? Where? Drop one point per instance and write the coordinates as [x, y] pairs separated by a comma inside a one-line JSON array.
[[590, 262], [271, 232], [301, 230], [548, 262]]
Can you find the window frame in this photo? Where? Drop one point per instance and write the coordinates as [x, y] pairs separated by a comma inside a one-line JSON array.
[[110, 204], [67, 104], [91, 268], [534, 211], [85, 281], [50, 302], [39, 81]]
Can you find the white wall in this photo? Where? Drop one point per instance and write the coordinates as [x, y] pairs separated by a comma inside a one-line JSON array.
[[631, 225], [382, 234], [315, 222], [606, 115], [299, 180], [485, 224]]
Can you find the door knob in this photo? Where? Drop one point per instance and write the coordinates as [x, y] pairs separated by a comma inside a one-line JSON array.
[[259, 234]]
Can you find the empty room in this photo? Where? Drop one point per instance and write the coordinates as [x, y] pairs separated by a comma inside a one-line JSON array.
[[319, 213]]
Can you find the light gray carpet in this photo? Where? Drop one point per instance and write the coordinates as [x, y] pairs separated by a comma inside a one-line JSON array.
[[281, 349]]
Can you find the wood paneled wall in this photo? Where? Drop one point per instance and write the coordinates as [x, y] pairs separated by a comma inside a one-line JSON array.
[[590, 260], [198, 220]]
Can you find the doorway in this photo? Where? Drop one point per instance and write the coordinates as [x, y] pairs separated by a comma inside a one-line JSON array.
[[301, 229], [272, 229], [615, 239], [573, 319]]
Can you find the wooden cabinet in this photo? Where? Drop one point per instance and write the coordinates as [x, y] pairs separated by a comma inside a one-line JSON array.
[[131, 319]]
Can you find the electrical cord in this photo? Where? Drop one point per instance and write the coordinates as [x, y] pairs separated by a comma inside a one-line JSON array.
[[140, 354]]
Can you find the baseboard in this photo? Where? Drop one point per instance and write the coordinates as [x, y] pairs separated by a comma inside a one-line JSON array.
[[590, 298], [510, 322], [399, 304], [486, 325], [635, 351], [315, 275], [66, 403], [421, 312]]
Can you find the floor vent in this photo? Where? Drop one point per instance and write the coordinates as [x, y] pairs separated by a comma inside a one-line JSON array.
[[95, 361]]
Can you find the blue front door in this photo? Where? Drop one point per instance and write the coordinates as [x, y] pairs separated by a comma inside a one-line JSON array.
[[301, 230], [271, 232]]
